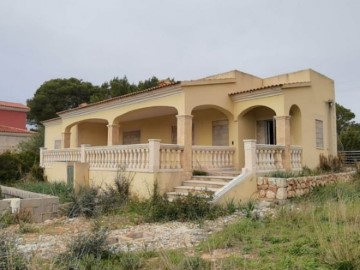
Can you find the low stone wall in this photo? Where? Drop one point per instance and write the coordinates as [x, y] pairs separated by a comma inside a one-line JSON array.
[[40, 206], [284, 188]]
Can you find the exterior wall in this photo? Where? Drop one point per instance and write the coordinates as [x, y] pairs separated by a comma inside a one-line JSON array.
[[94, 134], [299, 76], [284, 188], [313, 104], [13, 119], [142, 183], [57, 172], [9, 141], [150, 128], [52, 133], [202, 121]]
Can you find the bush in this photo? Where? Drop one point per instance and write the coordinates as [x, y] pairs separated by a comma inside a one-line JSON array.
[[10, 167], [114, 197], [83, 203], [183, 208], [330, 163], [83, 247]]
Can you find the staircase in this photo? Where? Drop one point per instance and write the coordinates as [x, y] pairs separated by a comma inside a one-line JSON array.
[[203, 185]]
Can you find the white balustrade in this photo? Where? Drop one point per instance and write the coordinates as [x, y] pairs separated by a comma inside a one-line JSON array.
[[69, 154], [212, 157], [269, 157], [170, 156], [296, 156], [131, 157]]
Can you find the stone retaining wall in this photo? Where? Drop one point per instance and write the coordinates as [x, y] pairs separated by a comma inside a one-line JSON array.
[[284, 188], [40, 206]]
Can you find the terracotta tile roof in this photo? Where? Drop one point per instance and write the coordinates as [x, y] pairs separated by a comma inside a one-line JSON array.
[[13, 105], [8, 129], [161, 85], [265, 87]]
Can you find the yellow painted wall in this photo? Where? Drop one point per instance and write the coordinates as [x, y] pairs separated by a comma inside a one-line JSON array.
[[57, 172], [142, 183], [150, 128], [52, 132], [203, 121], [94, 134]]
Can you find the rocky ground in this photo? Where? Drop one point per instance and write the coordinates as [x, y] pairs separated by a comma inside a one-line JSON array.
[[47, 239]]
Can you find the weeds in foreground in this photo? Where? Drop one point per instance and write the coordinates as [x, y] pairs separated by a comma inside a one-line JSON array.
[[10, 257]]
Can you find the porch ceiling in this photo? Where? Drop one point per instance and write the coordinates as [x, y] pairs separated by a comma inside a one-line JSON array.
[[147, 113]]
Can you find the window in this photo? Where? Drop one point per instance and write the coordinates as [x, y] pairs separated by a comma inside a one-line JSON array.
[[319, 133], [131, 137], [57, 144], [220, 133]]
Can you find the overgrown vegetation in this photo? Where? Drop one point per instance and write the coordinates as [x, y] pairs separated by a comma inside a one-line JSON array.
[[59, 189], [318, 231], [24, 162], [10, 257]]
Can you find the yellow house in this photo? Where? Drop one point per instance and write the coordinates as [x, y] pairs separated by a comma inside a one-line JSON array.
[[228, 122]]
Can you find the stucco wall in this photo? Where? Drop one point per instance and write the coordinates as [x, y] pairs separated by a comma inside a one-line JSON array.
[[9, 141]]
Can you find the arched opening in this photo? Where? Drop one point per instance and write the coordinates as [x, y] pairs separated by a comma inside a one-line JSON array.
[[258, 123], [210, 126], [89, 131], [295, 125], [138, 126]]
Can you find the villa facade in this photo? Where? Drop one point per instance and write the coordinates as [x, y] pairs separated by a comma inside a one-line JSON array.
[[224, 122]]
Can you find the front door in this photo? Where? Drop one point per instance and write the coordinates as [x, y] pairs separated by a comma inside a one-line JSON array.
[[265, 132]]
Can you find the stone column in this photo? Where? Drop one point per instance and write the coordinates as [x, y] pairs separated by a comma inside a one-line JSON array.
[[154, 155], [65, 142], [283, 138], [250, 155], [113, 134], [184, 138]]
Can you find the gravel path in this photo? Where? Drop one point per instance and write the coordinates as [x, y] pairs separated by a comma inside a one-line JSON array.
[[149, 236]]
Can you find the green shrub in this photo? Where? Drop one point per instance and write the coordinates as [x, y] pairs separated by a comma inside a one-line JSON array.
[[84, 247], [115, 196], [182, 208], [83, 203], [10, 167]]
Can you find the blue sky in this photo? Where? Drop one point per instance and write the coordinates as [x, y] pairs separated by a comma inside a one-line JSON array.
[[97, 40]]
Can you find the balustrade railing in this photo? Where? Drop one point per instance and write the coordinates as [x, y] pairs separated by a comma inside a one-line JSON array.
[[113, 157], [212, 157], [269, 157], [135, 157], [295, 157], [170, 156], [70, 154]]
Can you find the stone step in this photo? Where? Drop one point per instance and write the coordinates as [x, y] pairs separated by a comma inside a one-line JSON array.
[[225, 173], [174, 195], [194, 190], [214, 178], [205, 184]]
